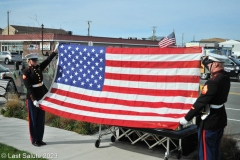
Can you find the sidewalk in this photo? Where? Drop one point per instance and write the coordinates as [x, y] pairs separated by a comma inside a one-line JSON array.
[[68, 145]]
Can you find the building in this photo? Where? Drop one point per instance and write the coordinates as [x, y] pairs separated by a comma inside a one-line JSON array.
[[25, 40], [234, 45]]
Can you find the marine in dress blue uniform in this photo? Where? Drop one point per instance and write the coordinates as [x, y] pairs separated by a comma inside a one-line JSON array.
[[33, 81], [209, 108]]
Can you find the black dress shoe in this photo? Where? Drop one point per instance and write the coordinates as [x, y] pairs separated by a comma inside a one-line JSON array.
[[36, 144], [42, 143]]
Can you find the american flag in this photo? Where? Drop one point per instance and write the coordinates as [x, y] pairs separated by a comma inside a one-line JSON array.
[[131, 87], [167, 41]]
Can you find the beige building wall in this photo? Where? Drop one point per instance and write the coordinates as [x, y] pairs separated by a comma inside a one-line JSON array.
[[11, 31]]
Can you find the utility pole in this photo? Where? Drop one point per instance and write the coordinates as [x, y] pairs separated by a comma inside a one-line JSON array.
[[42, 38], [182, 39], [153, 33], [89, 27], [8, 20]]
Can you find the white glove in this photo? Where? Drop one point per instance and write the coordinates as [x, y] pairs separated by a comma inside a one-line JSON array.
[[36, 103], [56, 47], [183, 121]]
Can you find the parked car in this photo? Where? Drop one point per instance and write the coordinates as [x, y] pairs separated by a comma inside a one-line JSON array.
[[7, 57], [4, 71]]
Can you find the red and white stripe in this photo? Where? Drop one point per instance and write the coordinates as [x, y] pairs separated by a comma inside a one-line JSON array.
[[143, 87]]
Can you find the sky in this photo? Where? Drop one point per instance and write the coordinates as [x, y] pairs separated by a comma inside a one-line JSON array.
[[190, 19]]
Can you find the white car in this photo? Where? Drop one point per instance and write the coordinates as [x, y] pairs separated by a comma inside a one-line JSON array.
[[7, 57]]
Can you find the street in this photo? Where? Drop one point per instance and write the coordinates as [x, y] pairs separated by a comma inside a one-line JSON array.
[[232, 106]]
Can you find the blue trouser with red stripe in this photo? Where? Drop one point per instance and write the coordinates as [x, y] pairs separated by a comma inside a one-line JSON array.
[[36, 119], [209, 144]]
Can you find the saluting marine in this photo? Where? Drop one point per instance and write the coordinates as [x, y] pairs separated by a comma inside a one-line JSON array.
[[33, 81], [210, 108]]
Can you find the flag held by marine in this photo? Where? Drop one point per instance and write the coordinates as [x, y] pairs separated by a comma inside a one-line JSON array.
[[131, 87]]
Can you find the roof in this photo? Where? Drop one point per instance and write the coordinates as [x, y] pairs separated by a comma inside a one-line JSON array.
[[230, 42], [213, 40], [76, 38], [28, 29]]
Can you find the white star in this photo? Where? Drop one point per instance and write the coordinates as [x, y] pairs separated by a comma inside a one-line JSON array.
[[84, 75], [72, 69], [76, 73], [73, 52], [88, 63], [96, 72], [68, 71], [96, 55], [101, 51], [82, 83], [74, 81], [88, 54], [73, 60], [69, 63], [93, 67], [95, 81], [90, 84], [92, 76], [77, 48], [85, 49], [101, 59], [100, 77], [98, 86], [93, 50], [100, 68], [87, 80], [96, 64], [66, 80], [92, 59], [69, 47], [71, 76]]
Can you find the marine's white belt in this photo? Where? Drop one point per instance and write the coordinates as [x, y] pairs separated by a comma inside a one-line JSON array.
[[37, 85], [216, 106]]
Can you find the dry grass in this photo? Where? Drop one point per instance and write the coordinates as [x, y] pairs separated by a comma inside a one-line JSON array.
[[229, 149], [14, 107]]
